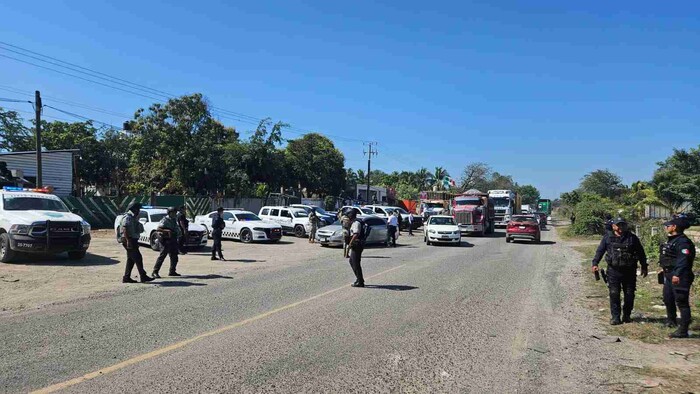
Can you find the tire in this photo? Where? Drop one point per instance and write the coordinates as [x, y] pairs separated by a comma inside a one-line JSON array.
[[154, 243], [246, 236], [207, 230], [77, 255], [299, 231], [508, 240], [427, 242], [6, 253], [537, 240]]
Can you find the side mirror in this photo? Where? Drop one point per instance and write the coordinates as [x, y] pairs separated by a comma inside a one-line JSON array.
[[75, 211], [143, 220]]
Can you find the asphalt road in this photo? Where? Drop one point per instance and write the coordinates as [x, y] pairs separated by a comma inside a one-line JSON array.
[[486, 316]]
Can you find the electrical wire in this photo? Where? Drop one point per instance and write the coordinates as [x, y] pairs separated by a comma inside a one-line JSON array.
[[9, 100]]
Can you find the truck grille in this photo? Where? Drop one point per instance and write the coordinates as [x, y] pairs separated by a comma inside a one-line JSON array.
[[463, 217], [57, 229]]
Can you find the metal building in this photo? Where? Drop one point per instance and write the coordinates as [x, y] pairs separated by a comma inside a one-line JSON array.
[[57, 168]]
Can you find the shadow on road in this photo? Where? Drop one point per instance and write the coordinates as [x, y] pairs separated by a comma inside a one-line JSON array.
[[210, 276], [178, 283], [63, 260], [376, 257], [391, 287], [515, 241], [244, 261]]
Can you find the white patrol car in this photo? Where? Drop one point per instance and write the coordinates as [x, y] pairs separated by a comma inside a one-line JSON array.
[[34, 221], [243, 225], [150, 217]]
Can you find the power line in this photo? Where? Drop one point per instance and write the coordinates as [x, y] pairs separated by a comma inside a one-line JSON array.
[[9, 100], [85, 118]]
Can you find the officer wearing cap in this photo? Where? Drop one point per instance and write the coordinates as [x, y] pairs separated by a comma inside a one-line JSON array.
[[622, 251], [130, 230], [168, 232], [217, 228], [676, 261], [608, 223]]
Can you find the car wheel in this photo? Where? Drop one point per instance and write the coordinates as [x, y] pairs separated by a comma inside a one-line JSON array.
[[299, 231], [508, 240], [537, 240], [246, 236], [154, 243], [6, 253], [206, 229], [77, 255], [427, 242]]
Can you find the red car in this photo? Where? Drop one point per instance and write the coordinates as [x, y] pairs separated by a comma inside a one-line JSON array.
[[523, 227]]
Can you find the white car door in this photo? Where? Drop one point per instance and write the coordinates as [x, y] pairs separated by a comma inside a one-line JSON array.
[[286, 219]]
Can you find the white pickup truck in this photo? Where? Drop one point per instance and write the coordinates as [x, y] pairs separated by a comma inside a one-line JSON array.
[[34, 221]]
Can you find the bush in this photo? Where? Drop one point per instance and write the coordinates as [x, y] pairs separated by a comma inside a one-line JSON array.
[[590, 215], [650, 241], [329, 203]]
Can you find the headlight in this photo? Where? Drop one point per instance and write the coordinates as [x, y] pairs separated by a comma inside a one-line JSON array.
[[337, 233], [258, 229], [86, 227], [431, 231], [19, 229], [455, 232]]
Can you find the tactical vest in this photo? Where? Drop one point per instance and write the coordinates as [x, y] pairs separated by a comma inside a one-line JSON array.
[[668, 254], [621, 254]]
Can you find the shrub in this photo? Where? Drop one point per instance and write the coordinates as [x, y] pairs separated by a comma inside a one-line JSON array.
[[590, 215]]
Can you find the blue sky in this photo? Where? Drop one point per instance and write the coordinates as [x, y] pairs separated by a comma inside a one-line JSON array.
[[543, 90]]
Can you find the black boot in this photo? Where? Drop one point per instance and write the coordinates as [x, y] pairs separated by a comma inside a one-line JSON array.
[[615, 321], [626, 319], [127, 279], [681, 332], [155, 275], [146, 278]]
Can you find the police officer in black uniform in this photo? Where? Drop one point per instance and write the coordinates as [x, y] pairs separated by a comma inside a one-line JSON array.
[[622, 251], [217, 228], [168, 232], [676, 261], [184, 225], [130, 230]]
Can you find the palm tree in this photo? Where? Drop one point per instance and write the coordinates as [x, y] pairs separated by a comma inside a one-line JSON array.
[[439, 174], [424, 178]]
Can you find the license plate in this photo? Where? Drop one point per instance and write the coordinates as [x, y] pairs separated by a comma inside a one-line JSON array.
[[522, 227], [324, 239], [24, 245]]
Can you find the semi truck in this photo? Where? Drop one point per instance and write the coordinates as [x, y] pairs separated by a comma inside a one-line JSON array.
[[506, 204], [434, 203], [544, 205], [474, 212]]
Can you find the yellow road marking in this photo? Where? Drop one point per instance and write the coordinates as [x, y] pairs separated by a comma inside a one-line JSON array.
[[178, 345]]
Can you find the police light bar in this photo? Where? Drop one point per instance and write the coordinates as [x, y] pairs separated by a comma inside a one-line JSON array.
[[21, 189]]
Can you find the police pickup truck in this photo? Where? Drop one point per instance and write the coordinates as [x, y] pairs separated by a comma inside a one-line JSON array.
[[37, 222]]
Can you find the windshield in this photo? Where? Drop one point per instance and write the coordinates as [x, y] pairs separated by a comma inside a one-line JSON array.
[[502, 202], [468, 201], [389, 211], [157, 217], [441, 221], [301, 214], [321, 211], [366, 211], [433, 205], [402, 211], [523, 219], [27, 203], [247, 217]]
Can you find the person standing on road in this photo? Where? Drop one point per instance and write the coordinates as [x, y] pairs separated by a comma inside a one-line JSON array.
[[313, 222], [676, 261], [184, 225], [400, 219], [345, 224], [357, 245], [168, 232], [392, 228], [410, 223], [130, 230], [217, 229], [622, 251]]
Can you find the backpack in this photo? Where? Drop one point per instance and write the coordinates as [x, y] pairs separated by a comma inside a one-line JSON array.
[[364, 234]]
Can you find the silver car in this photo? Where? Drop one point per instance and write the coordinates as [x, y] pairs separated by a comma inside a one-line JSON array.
[[333, 235]]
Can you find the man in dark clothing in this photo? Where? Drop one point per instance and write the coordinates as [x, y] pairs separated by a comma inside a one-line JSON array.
[[184, 225], [168, 232], [676, 261], [130, 230], [622, 251], [217, 229]]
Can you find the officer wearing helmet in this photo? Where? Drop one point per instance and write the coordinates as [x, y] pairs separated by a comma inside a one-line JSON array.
[[168, 232], [622, 250], [676, 261]]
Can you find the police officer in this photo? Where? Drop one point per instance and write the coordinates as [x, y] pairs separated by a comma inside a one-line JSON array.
[[131, 229], [184, 225], [356, 248], [168, 232], [345, 225], [217, 228], [622, 251], [676, 261], [313, 221]]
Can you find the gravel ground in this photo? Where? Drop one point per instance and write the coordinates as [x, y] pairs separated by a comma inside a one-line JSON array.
[[484, 317]]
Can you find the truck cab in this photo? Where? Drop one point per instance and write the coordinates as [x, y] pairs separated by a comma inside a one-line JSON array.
[[506, 204], [34, 221], [474, 213]]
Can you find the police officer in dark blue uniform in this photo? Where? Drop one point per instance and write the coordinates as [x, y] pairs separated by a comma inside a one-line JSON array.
[[217, 228], [676, 261], [622, 251]]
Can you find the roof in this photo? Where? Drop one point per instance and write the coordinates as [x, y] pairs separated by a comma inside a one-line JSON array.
[[33, 152]]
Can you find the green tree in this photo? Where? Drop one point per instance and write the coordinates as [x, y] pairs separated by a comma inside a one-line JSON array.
[[14, 135], [677, 179], [500, 182], [423, 179], [571, 198], [116, 148], [475, 176], [438, 175], [528, 194], [316, 164], [406, 191], [603, 183], [262, 160]]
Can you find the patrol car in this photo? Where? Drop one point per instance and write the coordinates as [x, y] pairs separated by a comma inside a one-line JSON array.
[[292, 220], [243, 226], [150, 217], [35, 221]]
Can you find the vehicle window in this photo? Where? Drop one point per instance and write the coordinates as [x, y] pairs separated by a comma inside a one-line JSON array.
[[26, 203], [467, 201], [389, 211], [436, 204], [247, 217], [523, 219], [402, 211], [321, 211], [286, 214], [265, 212], [156, 217], [301, 214], [441, 221], [365, 211], [274, 212], [228, 216], [211, 215], [501, 201], [144, 215], [374, 222]]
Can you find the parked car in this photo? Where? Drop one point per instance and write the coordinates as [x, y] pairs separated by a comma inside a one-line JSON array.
[[523, 227], [150, 217], [325, 217], [385, 212], [358, 210], [292, 220], [442, 229], [333, 235], [243, 226]]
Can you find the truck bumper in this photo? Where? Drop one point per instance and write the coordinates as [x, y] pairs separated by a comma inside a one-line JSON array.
[[471, 228], [29, 244]]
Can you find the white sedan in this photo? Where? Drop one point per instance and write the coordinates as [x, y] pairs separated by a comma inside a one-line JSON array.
[[243, 226], [442, 229], [150, 217]]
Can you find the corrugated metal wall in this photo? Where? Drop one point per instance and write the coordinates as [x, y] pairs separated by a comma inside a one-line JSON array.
[[57, 168]]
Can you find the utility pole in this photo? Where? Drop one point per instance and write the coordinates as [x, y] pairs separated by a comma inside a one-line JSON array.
[[37, 109], [372, 150]]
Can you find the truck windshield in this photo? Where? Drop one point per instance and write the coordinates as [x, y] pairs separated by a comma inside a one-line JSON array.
[[433, 205], [501, 202], [27, 203], [468, 201]]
